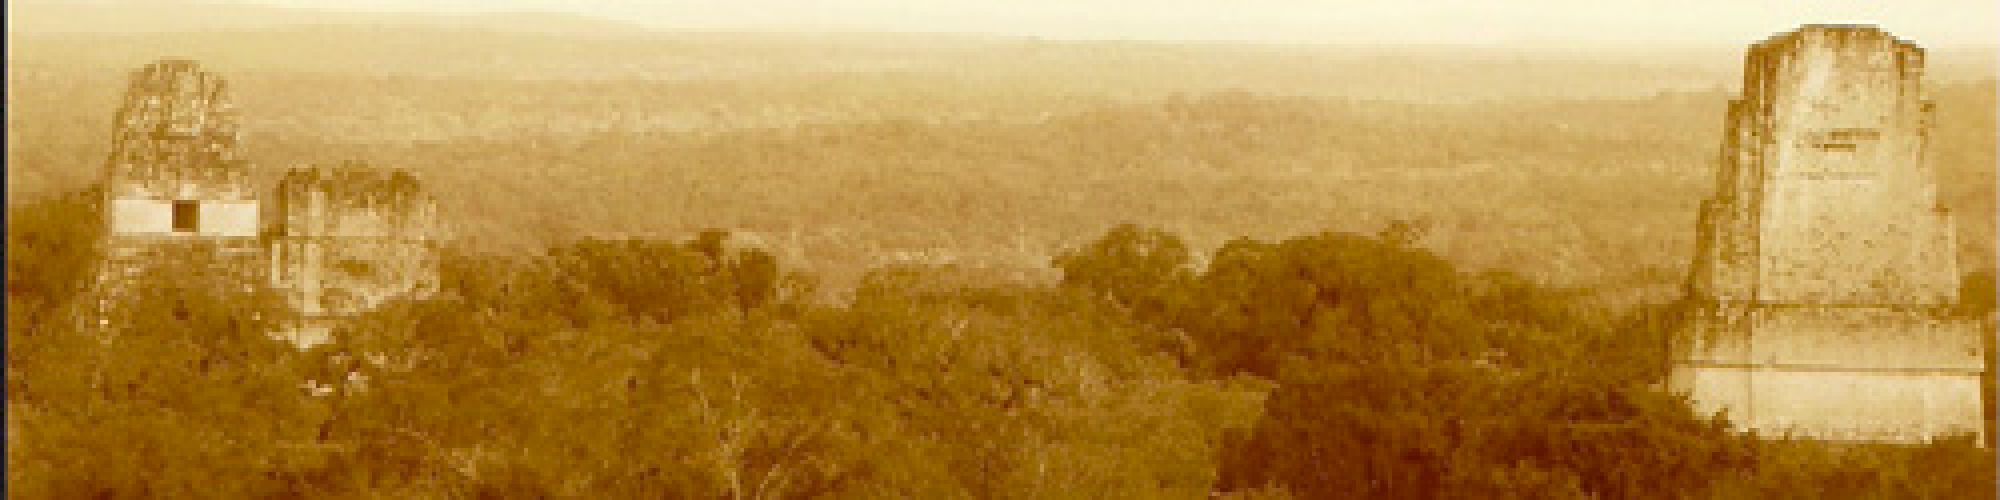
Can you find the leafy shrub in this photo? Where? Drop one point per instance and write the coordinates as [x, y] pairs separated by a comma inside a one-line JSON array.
[[1414, 431]]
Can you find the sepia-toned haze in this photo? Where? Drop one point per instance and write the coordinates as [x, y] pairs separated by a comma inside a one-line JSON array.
[[957, 249], [1534, 22], [1631, 93]]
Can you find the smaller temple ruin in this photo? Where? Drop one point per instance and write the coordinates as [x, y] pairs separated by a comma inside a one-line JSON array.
[[350, 238]]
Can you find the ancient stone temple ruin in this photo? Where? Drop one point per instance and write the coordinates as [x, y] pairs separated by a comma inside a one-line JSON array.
[[349, 239], [179, 197], [176, 193], [1825, 264]]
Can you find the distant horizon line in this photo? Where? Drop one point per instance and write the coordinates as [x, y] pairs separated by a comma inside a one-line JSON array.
[[644, 31], [648, 27]]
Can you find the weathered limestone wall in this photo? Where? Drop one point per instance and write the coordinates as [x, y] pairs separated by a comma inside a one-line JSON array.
[[1848, 373], [1824, 260], [180, 199], [1846, 337], [154, 218], [1852, 214], [1824, 195], [1842, 405], [175, 140], [352, 238]]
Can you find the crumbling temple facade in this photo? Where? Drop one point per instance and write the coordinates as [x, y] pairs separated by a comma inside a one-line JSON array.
[[349, 239], [176, 193], [180, 197], [1825, 265]]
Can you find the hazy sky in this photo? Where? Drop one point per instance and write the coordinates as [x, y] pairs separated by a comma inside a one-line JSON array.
[[1674, 22]]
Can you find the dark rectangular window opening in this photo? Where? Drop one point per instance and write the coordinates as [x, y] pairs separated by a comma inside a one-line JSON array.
[[1844, 140], [187, 216], [1853, 134]]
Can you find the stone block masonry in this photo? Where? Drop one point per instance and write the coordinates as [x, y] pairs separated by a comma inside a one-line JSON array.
[[179, 198], [1825, 263], [353, 237]]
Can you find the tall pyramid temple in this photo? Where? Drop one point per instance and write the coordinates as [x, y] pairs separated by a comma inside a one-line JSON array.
[[1825, 265], [180, 198]]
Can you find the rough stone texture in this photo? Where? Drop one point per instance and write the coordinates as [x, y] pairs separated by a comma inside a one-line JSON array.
[[346, 239], [175, 140], [353, 237], [1825, 262]]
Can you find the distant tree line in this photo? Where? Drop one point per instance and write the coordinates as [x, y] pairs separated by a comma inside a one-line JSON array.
[[1324, 366]]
